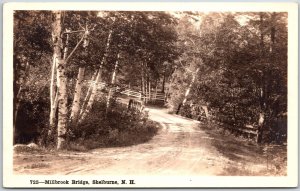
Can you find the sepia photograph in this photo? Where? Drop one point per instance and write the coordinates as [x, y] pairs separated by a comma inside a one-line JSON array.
[[103, 97]]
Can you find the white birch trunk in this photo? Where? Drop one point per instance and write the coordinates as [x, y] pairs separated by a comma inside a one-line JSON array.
[[149, 90], [66, 48], [95, 84], [113, 80], [155, 91], [146, 84], [92, 97], [88, 93], [143, 85], [62, 106], [189, 88], [77, 95], [53, 95], [62, 88], [53, 88]]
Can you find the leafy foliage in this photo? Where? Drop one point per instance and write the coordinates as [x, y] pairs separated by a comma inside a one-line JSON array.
[[241, 59], [243, 67], [101, 130]]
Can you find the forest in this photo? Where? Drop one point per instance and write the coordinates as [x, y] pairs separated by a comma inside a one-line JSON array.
[[226, 69]]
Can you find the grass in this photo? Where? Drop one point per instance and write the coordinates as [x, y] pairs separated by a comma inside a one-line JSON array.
[[116, 138], [20, 148], [246, 158], [37, 165]]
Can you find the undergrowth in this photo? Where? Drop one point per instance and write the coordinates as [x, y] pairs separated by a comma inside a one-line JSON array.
[[247, 158], [120, 127]]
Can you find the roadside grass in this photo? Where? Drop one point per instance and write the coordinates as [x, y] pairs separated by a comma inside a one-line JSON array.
[[37, 165], [156, 104], [116, 138], [22, 148], [119, 127], [246, 158], [102, 128]]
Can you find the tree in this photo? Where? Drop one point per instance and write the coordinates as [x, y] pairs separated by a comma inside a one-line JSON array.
[[31, 50], [238, 68], [62, 83]]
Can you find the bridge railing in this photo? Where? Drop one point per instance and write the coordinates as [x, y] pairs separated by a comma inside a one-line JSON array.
[[153, 96], [136, 104], [249, 131]]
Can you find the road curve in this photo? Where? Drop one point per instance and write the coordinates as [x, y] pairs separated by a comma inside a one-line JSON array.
[[179, 148]]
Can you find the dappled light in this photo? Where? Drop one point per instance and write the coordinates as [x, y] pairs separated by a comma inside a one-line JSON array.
[[150, 93]]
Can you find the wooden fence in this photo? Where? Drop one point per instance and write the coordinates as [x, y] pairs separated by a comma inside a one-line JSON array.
[[202, 113], [136, 104], [248, 131], [153, 96]]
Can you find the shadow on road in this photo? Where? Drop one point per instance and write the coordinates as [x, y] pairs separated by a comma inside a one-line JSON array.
[[245, 157]]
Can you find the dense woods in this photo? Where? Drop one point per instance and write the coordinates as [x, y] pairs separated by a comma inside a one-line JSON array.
[[70, 67], [235, 65]]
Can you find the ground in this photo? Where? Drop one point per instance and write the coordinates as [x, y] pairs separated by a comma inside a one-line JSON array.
[[181, 147]]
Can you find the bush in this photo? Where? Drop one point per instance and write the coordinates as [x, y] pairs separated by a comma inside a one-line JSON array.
[[31, 119], [120, 127], [156, 103]]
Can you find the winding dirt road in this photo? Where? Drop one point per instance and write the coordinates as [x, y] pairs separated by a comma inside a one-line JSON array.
[[179, 148]]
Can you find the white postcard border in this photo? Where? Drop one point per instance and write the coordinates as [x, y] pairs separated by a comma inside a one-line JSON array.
[[291, 180]]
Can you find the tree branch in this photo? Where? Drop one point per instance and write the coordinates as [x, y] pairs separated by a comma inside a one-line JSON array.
[[74, 49], [70, 32]]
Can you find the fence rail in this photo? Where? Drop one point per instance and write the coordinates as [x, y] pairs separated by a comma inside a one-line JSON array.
[[136, 104], [153, 96], [247, 129]]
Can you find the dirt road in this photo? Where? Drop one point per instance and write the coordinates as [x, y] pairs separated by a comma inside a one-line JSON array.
[[179, 148]]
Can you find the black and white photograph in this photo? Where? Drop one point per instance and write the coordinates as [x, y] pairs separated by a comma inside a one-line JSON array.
[[102, 97]]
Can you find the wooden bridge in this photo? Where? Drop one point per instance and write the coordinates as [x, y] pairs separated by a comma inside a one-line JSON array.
[[137, 99], [153, 96]]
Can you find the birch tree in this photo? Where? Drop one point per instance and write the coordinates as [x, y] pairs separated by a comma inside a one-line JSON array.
[[113, 81], [77, 94], [62, 80], [94, 85]]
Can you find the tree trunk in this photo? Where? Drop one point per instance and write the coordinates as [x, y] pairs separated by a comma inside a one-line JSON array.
[[53, 95], [88, 93], [53, 88], [149, 90], [113, 80], [189, 88], [143, 83], [18, 99], [92, 96], [146, 78], [164, 81], [155, 95], [66, 47], [206, 112], [76, 102], [262, 86], [261, 25], [187, 92], [260, 127], [95, 84], [178, 108], [170, 82], [62, 89], [146, 88], [62, 106]]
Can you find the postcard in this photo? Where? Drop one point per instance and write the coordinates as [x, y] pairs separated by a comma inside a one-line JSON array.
[[150, 95]]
